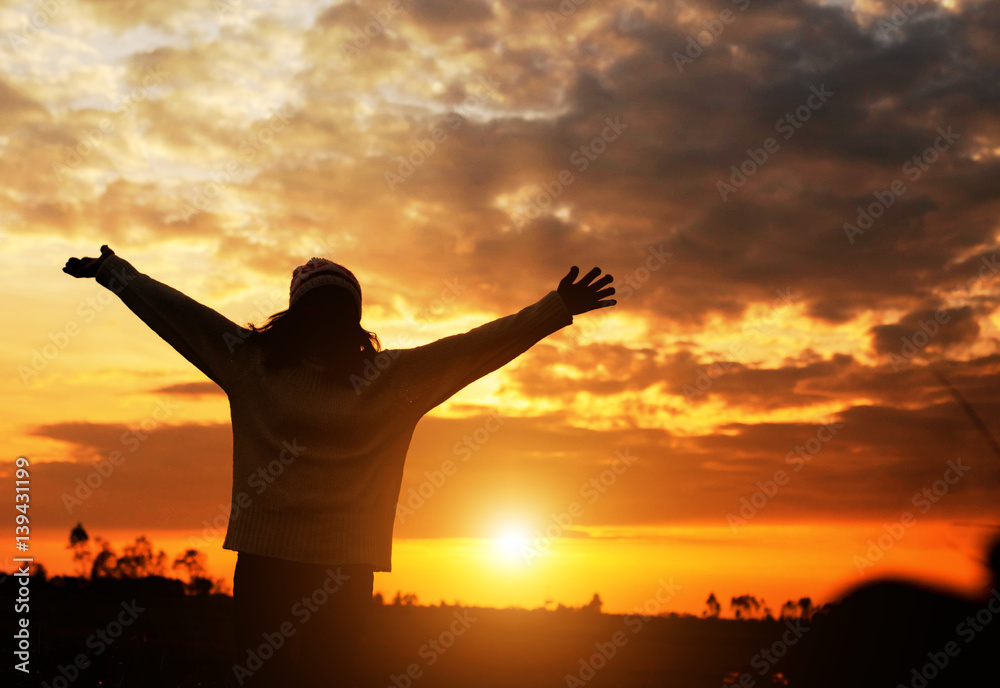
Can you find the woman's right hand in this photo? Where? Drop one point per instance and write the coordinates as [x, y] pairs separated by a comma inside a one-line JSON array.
[[87, 267], [585, 295]]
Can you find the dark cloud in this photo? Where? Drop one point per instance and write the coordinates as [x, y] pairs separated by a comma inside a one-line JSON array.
[[13, 103], [157, 475], [190, 388], [929, 330], [450, 12]]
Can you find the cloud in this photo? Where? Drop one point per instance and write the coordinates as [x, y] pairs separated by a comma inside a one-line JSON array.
[[451, 11], [936, 329], [162, 476], [190, 388], [14, 104]]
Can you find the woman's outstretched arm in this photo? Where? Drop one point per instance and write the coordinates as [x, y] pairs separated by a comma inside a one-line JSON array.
[[206, 338], [432, 373]]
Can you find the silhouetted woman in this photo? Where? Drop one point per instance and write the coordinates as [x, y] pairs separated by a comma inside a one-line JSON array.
[[321, 420]]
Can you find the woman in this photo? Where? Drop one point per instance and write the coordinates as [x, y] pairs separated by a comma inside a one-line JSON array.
[[322, 420]]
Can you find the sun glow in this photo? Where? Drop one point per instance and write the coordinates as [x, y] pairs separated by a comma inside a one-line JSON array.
[[511, 542]]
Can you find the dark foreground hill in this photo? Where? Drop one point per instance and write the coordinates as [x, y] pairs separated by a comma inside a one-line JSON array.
[[147, 632]]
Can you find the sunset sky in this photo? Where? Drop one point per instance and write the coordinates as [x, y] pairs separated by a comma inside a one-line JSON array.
[[794, 199]]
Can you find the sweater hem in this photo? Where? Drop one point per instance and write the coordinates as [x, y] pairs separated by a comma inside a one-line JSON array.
[[378, 567]]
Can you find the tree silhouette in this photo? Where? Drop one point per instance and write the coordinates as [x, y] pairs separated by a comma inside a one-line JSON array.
[[138, 560], [746, 607], [194, 562], [104, 562], [594, 605], [409, 599], [803, 609], [712, 607], [79, 542], [806, 608], [199, 585]]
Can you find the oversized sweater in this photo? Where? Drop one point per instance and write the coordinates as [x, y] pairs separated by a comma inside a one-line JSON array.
[[317, 467]]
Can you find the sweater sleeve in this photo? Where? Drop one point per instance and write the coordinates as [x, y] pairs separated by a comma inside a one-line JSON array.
[[204, 337], [434, 372]]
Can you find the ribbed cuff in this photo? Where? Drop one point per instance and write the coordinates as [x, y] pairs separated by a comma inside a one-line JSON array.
[[115, 273], [554, 306]]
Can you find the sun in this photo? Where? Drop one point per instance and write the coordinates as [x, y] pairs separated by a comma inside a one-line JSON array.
[[510, 542]]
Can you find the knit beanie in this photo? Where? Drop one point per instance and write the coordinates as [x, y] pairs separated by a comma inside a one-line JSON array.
[[319, 272]]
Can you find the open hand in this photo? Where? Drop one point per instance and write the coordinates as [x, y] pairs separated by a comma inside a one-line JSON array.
[[87, 267], [586, 294]]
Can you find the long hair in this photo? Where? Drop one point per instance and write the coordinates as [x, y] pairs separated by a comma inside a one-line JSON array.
[[281, 340]]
